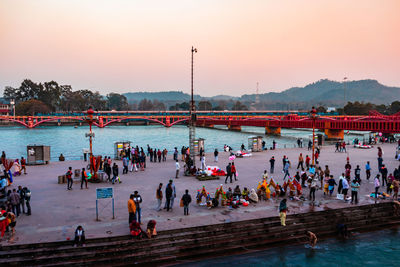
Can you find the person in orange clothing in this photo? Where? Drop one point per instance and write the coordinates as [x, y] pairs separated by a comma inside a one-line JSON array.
[[131, 209], [3, 222]]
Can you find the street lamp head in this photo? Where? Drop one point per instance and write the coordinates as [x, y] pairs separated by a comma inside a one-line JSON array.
[[194, 50]]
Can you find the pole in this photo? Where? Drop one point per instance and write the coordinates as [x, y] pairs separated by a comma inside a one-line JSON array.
[[113, 207], [97, 210], [313, 142], [192, 114], [90, 140], [344, 93]]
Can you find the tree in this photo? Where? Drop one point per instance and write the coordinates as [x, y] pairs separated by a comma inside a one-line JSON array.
[[394, 107], [157, 105], [31, 107], [145, 104], [117, 101], [239, 106], [321, 109], [222, 105], [205, 105]]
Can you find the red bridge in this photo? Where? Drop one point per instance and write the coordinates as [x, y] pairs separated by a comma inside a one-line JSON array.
[[333, 126]]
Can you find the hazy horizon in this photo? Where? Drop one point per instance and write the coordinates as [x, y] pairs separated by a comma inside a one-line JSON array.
[[127, 46]]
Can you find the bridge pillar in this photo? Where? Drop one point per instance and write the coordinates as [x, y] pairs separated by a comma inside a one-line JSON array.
[[167, 121], [30, 122], [334, 134], [272, 130], [101, 122], [235, 128]]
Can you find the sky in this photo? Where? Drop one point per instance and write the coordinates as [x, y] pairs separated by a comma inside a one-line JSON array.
[[128, 46]]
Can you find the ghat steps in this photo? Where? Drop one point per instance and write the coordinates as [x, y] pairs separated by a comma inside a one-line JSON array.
[[172, 246]]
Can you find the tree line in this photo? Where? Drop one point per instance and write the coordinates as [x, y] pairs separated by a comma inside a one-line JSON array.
[[32, 98], [360, 108]]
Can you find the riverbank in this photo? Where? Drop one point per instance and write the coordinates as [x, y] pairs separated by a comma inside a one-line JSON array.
[[57, 211]]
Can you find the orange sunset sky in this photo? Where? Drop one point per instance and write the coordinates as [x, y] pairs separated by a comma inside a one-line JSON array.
[[128, 45]]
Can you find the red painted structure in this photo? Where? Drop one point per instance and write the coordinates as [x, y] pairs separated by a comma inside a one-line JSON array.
[[332, 125]]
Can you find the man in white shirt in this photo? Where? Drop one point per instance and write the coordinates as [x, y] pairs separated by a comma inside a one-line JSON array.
[[177, 167]]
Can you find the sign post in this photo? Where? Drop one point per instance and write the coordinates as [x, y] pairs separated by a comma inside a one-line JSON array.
[[104, 193]]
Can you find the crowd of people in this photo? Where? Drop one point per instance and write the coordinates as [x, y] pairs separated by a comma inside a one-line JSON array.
[[14, 201]]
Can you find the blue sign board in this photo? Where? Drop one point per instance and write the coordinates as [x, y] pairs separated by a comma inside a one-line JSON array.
[[105, 192]]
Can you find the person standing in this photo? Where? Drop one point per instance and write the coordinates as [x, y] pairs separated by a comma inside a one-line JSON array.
[[301, 161], [23, 165], [168, 195], [115, 172], [177, 168], [331, 184], [159, 196], [368, 170], [384, 172], [138, 199], [357, 173], [286, 170], [395, 189], [228, 172], [308, 162], [203, 162], [28, 200], [131, 209], [313, 187], [159, 154], [21, 193], [186, 199], [69, 178], [354, 191], [377, 185], [125, 163], [282, 211], [183, 152], [389, 184], [15, 202], [175, 154], [216, 155], [272, 164], [173, 194], [233, 170], [83, 178], [345, 188], [340, 186]]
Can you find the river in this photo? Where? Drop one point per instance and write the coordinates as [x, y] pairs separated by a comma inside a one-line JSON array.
[[71, 141]]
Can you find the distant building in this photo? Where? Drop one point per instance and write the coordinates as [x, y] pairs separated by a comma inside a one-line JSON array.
[[330, 109], [4, 109]]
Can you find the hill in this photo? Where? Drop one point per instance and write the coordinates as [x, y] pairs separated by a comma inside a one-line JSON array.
[[323, 92], [332, 93]]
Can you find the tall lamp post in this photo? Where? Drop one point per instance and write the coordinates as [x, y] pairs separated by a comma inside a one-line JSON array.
[[313, 116], [344, 90], [90, 120], [192, 113]]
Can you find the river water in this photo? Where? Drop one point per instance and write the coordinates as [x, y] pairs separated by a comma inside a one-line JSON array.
[[71, 141], [368, 249]]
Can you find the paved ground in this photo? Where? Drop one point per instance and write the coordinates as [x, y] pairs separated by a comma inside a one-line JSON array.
[[56, 211]]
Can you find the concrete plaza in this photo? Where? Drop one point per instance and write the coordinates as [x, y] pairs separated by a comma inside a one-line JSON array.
[[56, 211]]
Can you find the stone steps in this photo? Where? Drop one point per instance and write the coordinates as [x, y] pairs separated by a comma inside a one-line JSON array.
[[194, 242]]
